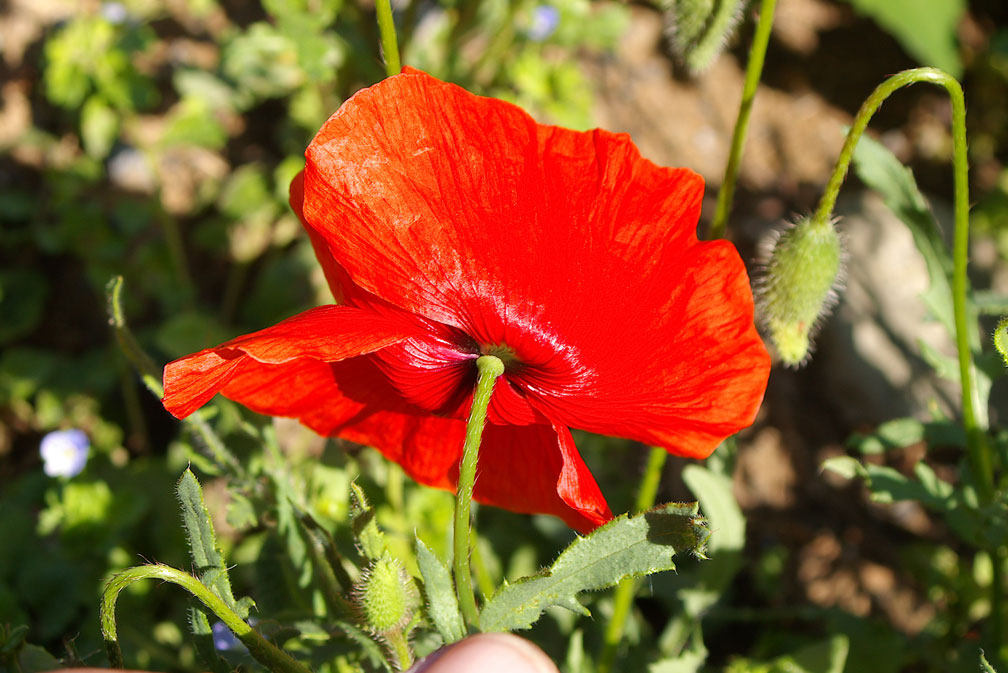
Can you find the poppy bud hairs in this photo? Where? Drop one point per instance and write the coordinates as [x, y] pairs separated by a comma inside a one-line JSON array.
[[449, 226], [797, 287]]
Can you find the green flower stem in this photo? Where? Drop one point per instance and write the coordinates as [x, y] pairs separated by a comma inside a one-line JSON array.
[[150, 374], [176, 252], [754, 69], [386, 28], [489, 368], [973, 421], [400, 650], [274, 659], [979, 453], [627, 589]]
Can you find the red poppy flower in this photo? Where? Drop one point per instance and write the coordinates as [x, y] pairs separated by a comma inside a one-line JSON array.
[[450, 226]]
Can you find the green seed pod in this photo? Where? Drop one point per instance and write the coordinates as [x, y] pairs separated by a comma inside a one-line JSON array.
[[386, 596], [796, 288], [699, 30]]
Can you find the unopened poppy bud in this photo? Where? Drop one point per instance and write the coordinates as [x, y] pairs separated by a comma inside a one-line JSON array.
[[385, 596], [797, 287], [699, 30], [1001, 339]]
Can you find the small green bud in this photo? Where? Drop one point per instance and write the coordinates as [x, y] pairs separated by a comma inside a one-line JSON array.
[[1001, 339], [369, 537], [699, 30], [386, 596], [796, 288]]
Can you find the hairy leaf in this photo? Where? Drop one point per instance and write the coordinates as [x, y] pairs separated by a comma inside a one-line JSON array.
[[442, 604], [625, 547], [206, 555]]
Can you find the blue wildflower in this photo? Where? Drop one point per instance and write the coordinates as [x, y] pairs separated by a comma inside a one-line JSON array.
[[545, 19], [64, 453]]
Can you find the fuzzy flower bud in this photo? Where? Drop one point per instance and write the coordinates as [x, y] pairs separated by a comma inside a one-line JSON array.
[[1001, 339], [797, 286], [385, 596], [699, 30]]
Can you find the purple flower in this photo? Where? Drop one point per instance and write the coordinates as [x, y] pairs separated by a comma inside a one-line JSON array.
[[545, 19], [223, 639], [64, 453]]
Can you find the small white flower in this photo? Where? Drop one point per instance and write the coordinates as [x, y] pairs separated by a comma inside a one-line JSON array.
[[64, 453]]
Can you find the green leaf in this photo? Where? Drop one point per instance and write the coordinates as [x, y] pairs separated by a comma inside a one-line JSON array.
[[199, 627], [879, 169], [625, 547], [442, 604], [206, 556], [926, 29], [687, 662], [828, 656], [99, 127], [985, 666], [34, 659], [888, 485], [893, 434]]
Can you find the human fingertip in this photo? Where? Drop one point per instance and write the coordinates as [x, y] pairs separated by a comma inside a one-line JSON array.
[[487, 653]]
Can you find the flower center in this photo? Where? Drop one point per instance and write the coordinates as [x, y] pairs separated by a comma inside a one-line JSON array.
[[504, 353]]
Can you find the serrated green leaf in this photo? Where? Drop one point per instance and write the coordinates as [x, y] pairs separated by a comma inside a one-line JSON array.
[[985, 666], [206, 555], [442, 603], [625, 547]]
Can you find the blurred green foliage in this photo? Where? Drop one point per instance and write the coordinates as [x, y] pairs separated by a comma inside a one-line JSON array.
[[157, 142]]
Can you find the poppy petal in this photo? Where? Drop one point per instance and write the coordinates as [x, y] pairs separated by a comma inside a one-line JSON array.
[[537, 469], [567, 249], [344, 290], [699, 376], [326, 333], [533, 469], [353, 399]]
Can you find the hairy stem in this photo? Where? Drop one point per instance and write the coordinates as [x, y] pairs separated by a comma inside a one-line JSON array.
[[270, 656], [489, 368], [974, 417], [754, 69], [386, 28]]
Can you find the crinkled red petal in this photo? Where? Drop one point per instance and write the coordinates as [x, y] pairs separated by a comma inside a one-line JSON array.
[[326, 334], [531, 469], [537, 469], [567, 248]]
